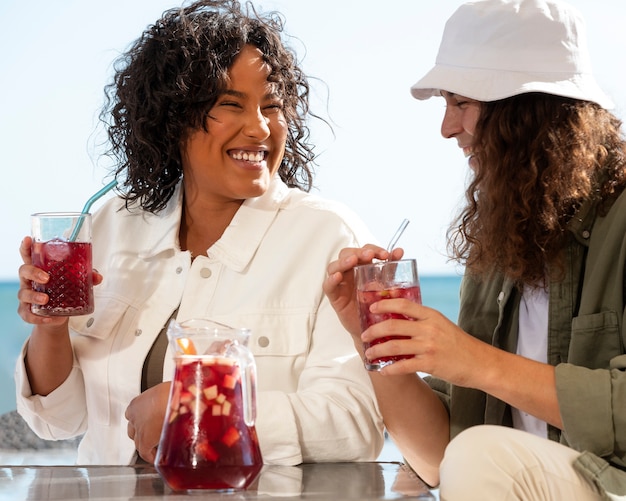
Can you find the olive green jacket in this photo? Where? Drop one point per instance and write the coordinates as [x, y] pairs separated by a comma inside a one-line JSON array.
[[586, 339]]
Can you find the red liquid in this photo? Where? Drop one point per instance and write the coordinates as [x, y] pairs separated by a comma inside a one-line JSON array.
[[366, 298], [206, 443], [70, 287]]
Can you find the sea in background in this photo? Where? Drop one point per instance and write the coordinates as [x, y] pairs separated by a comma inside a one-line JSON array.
[[439, 292]]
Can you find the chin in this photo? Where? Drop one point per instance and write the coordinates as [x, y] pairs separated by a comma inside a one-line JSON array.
[[258, 188]]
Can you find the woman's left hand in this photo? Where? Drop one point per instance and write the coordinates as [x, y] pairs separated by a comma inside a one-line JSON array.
[[145, 415]]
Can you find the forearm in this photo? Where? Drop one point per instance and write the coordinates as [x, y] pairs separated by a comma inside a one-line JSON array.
[[522, 383], [416, 420], [48, 358]]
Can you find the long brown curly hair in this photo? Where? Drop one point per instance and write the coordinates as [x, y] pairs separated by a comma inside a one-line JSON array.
[[169, 79], [539, 157]]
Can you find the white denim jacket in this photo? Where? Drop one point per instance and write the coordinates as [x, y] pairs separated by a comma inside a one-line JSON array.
[[314, 402]]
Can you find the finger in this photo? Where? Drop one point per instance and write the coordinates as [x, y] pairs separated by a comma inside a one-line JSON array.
[[97, 277], [390, 346], [29, 273], [402, 367], [148, 455], [364, 254], [344, 263], [390, 328], [130, 430], [377, 251], [397, 254], [401, 306], [25, 249], [27, 296], [29, 317]]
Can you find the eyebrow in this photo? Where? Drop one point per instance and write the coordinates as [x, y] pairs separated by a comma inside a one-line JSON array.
[[241, 95]]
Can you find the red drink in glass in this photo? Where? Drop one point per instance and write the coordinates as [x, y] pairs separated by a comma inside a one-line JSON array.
[[70, 287], [367, 297], [206, 442]]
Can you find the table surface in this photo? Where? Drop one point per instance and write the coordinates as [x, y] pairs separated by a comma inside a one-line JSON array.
[[319, 481]]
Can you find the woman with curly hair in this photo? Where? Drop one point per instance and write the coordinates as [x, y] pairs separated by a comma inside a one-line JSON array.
[[207, 120], [524, 398]]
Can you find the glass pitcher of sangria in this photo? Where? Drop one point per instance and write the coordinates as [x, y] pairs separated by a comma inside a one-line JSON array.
[[209, 441]]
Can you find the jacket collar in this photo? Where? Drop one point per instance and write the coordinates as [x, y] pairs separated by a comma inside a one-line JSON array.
[[240, 241], [581, 223]]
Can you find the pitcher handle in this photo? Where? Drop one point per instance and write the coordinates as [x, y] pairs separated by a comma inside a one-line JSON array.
[[248, 390]]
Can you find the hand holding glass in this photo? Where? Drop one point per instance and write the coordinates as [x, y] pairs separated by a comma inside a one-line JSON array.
[[62, 248], [379, 281]]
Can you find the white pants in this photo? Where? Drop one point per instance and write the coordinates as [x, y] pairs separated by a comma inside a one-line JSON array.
[[503, 464]]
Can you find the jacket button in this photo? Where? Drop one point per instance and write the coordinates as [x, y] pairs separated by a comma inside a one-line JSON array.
[[90, 322], [205, 273], [586, 234], [138, 332], [263, 341], [179, 270]]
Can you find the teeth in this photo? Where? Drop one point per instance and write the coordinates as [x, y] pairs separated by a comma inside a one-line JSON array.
[[249, 156]]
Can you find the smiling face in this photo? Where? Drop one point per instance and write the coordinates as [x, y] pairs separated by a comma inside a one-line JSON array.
[[459, 122], [243, 146]]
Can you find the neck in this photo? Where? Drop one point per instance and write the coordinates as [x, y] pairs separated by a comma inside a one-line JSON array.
[[203, 225]]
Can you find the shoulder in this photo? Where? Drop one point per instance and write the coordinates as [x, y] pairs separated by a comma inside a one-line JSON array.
[[611, 225], [323, 212]]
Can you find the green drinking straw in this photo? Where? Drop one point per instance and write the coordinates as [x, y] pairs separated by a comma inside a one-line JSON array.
[[88, 205]]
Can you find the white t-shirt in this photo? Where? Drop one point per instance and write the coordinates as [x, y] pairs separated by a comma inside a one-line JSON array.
[[532, 343]]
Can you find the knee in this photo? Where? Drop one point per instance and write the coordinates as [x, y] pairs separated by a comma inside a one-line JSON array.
[[471, 459], [473, 443]]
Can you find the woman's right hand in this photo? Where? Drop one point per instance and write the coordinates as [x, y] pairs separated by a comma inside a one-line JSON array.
[[339, 285], [28, 273]]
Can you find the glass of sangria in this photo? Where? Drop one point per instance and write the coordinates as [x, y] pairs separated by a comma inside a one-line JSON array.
[[209, 440], [62, 248], [379, 281]]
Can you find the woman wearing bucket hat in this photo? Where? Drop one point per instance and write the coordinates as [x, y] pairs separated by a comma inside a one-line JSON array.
[[526, 395]]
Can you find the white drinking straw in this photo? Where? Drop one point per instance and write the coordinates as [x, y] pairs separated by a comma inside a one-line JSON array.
[[396, 237]]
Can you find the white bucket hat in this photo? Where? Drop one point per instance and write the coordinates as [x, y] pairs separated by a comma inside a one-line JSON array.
[[494, 49]]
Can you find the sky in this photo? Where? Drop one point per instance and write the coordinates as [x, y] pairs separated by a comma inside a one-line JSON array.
[[385, 157]]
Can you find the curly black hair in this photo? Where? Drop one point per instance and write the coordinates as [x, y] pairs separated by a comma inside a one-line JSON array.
[[167, 81]]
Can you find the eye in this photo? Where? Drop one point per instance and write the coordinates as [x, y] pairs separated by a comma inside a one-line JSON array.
[[274, 106], [464, 103], [229, 103]]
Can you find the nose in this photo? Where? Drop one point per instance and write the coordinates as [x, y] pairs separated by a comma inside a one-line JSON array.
[[256, 125], [451, 124]]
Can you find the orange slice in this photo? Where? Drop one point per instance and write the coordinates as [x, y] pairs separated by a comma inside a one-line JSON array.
[[187, 346]]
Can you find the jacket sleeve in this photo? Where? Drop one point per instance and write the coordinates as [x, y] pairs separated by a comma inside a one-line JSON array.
[[333, 415], [593, 408], [58, 416]]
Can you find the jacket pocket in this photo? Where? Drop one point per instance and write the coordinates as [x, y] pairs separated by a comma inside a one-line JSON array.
[[104, 321], [278, 335], [595, 340]]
